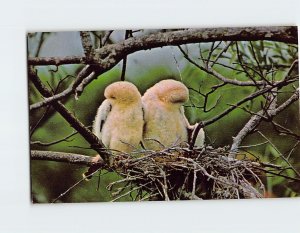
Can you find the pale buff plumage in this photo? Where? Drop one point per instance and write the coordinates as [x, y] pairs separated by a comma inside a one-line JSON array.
[[119, 120], [165, 122]]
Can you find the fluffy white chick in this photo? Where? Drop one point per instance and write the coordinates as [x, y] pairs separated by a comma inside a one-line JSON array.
[[119, 120], [165, 122]]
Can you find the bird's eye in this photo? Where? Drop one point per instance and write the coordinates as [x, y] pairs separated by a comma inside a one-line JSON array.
[[113, 97]]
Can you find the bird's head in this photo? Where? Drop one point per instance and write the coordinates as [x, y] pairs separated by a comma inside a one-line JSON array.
[[122, 92], [172, 91]]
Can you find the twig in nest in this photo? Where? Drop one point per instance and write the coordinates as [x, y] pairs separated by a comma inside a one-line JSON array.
[[176, 173]]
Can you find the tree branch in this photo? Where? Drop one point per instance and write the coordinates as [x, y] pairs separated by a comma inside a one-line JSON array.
[[86, 44], [231, 108], [256, 119], [64, 157], [64, 139], [116, 52], [127, 35], [56, 61], [108, 56], [71, 89], [106, 37], [208, 69], [68, 116]]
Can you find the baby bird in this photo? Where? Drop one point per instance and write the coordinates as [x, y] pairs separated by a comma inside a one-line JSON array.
[[119, 120], [165, 122]]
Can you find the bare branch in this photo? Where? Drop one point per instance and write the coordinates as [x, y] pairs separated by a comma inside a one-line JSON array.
[[86, 44], [72, 187], [64, 157], [85, 72], [41, 42], [284, 131], [106, 37], [280, 154], [33, 128], [68, 116], [255, 120], [127, 35], [109, 55], [220, 54], [112, 54], [65, 139], [208, 69], [292, 67], [57, 61], [231, 108], [79, 89]]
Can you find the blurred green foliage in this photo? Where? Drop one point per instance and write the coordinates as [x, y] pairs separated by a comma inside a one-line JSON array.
[[50, 179]]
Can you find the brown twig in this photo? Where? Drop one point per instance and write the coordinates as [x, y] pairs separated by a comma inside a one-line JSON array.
[[106, 37], [68, 116], [250, 97], [127, 35], [114, 53], [255, 120], [108, 56], [87, 45], [64, 139], [56, 61], [64, 157], [208, 69], [72, 187]]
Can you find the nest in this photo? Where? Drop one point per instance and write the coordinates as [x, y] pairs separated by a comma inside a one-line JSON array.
[[180, 173]]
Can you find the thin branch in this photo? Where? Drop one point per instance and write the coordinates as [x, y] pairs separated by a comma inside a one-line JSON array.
[[284, 131], [221, 53], [292, 67], [164, 185], [129, 192], [112, 54], [80, 87], [57, 61], [219, 76], [65, 139], [250, 97], [255, 120], [127, 35], [87, 45], [32, 129], [194, 182], [206, 96], [280, 154], [108, 56], [64, 157], [242, 64], [106, 37], [257, 62], [210, 51], [278, 174], [72, 187], [292, 150], [42, 39], [251, 146], [68, 116], [85, 72], [231, 108]]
